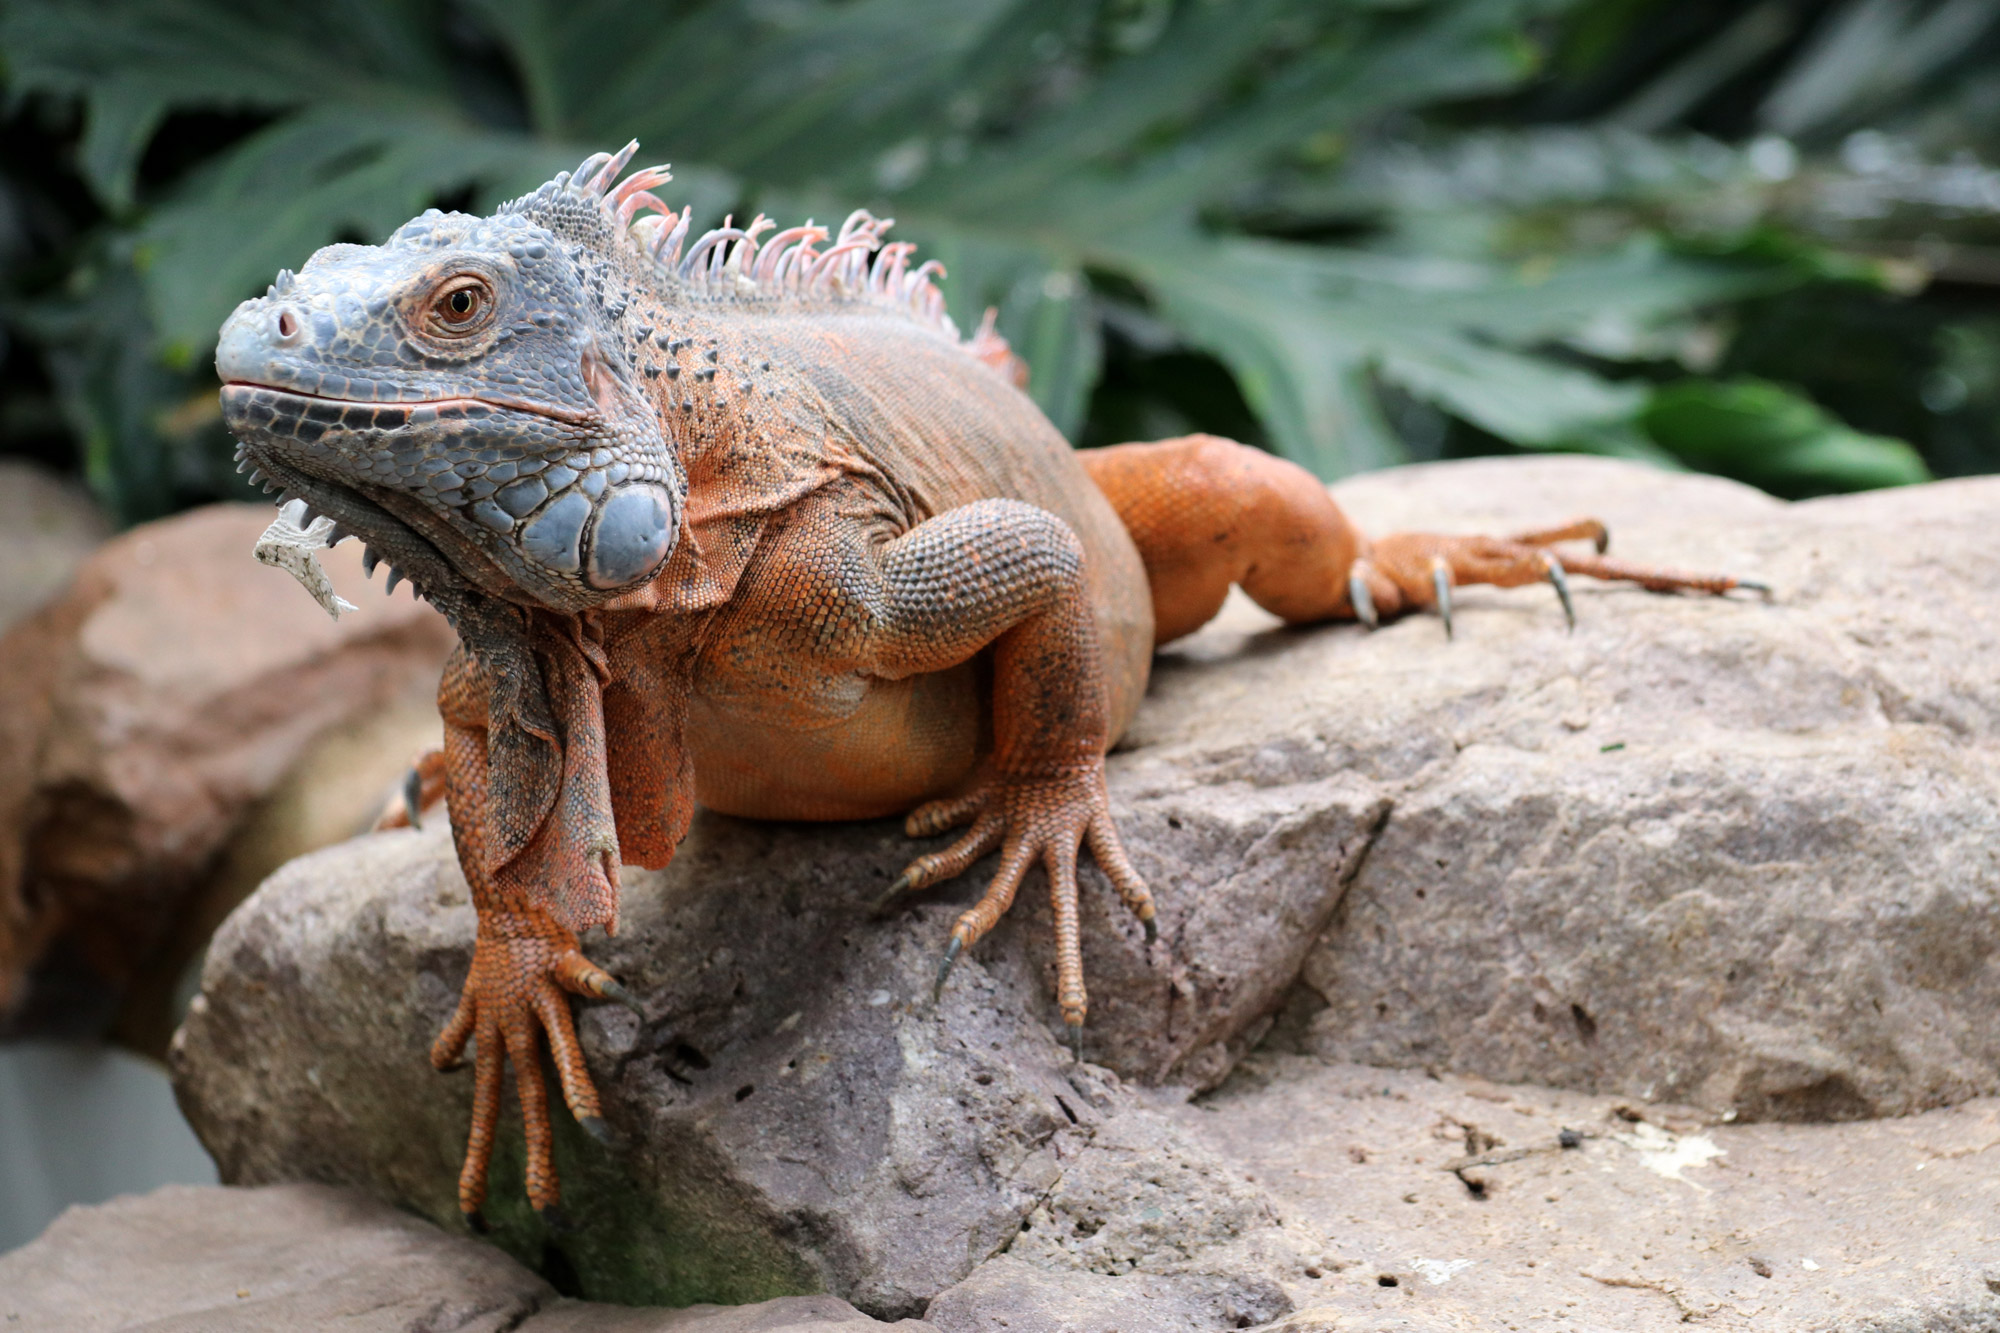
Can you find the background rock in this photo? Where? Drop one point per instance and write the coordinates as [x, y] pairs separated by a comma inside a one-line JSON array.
[[1006, 1293], [309, 1257], [146, 713], [296, 1256], [48, 526], [1683, 853]]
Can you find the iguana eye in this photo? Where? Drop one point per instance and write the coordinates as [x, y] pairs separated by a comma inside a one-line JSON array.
[[461, 304]]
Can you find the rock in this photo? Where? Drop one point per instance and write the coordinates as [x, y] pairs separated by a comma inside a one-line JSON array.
[[1006, 1293], [334, 789], [292, 1256], [1145, 1230], [800, 1116], [1460, 1194], [786, 1314], [1740, 855], [306, 1256], [1679, 854], [48, 525], [147, 712]]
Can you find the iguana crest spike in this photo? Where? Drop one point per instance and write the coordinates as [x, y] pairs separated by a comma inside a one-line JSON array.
[[593, 206]]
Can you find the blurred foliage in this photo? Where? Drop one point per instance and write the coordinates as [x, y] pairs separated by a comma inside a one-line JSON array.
[[1747, 238], [1757, 432]]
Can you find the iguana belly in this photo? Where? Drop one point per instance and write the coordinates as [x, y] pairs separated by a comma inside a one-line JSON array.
[[861, 750]]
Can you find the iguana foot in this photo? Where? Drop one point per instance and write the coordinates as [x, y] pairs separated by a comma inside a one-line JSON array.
[[1412, 571], [524, 967], [1029, 819], [423, 787]]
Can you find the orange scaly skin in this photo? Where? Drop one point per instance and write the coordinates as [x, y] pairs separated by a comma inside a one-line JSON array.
[[893, 588]]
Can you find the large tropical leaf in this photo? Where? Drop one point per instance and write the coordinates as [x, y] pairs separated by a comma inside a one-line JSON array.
[[1037, 146]]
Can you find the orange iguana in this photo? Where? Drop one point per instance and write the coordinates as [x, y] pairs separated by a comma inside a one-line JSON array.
[[742, 521]]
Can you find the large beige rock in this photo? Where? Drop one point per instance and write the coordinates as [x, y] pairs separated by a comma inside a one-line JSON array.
[[1450, 1203], [1682, 854], [48, 526], [144, 715], [1010, 1294], [1740, 855], [206, 1260]]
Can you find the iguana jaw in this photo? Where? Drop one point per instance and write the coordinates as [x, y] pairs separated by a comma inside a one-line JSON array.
[[397, 456], [589, 421]]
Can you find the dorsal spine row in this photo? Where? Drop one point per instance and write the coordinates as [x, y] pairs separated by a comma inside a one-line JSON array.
[[729, 261]]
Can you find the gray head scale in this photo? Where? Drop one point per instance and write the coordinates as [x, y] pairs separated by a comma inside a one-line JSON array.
[[467, 383]]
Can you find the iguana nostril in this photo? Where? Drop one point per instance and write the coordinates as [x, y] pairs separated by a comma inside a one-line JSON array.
[[288, 325]]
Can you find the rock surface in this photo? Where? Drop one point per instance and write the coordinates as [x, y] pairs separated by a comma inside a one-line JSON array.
[[1734, 854], [48, 526], [309, 1257], [144, 715], [1740, 855], [799, 1115], [1459, 1193], [1010, 1294]]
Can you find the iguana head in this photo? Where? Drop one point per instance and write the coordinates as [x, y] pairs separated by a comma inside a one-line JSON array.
[[471, 383]]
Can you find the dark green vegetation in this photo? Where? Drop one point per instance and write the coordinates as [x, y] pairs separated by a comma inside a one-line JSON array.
[[1746, 237]]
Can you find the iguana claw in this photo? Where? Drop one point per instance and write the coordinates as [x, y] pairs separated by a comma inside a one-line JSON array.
[[1362, 599], [904, 883], [1561, 582], [413, 796], [616, 992], [1441, 589], [944, 967]]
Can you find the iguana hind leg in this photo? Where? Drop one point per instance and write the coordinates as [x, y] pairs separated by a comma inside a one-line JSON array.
[[1206, 513], [1409, 571]]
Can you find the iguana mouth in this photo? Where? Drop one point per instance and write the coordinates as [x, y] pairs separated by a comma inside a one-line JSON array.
[[281, 432], [413, 550], [384, 536], [377, 408]]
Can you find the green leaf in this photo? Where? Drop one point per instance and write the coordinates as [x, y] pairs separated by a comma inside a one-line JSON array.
[[1024, 142], [119, 126], [1300, 326], [1302, 369], [1771, 437]]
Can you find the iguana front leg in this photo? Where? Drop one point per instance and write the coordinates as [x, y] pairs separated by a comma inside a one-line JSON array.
[[525, 961], [998, 573]]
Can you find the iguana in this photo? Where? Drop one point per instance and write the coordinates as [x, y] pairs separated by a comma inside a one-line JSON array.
[[741, 520]]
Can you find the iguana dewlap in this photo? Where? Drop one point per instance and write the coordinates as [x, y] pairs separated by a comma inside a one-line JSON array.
[[741, 520]]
